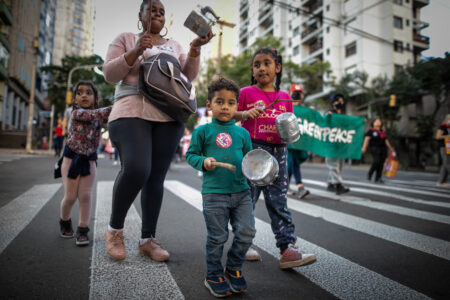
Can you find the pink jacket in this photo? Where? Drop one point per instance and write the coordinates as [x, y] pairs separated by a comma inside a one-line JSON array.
[[116, 69]]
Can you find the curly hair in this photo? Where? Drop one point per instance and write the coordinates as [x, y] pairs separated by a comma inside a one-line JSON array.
[[144, 3], [85, 83], [278, 60], [223, 83]]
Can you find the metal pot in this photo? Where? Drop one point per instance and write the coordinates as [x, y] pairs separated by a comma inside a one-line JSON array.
[[201, 20], [287, 127], [260, 167]]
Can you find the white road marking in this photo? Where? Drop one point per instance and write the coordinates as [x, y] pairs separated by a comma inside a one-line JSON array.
[[385, 194], [339, 276], [18, 213], [137, 277], [420, 214]]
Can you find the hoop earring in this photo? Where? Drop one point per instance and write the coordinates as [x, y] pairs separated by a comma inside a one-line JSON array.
[[139, 23], [167, 31]]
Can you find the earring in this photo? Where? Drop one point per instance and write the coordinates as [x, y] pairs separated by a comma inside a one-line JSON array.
[[139, 23], [167, 31]]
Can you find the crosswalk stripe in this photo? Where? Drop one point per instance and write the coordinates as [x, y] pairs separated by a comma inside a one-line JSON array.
[[381, 206], [17, 214], [339, 276], [137, 277], [385, 194], [417, 241], [396, 188]]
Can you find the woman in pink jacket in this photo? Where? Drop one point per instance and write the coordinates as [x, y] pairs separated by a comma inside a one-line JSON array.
[[145, 136]]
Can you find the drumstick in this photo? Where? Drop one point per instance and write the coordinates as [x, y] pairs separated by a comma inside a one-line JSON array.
[[224, 165], [278, 100], [149, 17]]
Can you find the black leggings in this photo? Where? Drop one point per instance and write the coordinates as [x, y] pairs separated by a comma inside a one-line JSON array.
[[146, 149], [378, 158]]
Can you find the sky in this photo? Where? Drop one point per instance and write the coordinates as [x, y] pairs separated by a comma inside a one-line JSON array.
[[116, 16]]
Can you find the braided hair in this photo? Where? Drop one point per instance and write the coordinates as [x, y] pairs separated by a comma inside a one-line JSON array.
[[278, 60]]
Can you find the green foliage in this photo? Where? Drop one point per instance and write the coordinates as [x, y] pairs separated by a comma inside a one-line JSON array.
[[312, 76], [57, 84]]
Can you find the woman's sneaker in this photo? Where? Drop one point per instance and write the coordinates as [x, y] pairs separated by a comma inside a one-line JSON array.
[[218, 286], [292, 257], [82, 238], [65, 228], [252, 254], [237, 281], [302, 193]]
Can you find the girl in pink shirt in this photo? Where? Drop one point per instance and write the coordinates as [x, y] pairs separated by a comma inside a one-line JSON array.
[[266, 66]]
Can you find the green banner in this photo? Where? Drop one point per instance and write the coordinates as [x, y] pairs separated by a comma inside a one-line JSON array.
[[332, 135]]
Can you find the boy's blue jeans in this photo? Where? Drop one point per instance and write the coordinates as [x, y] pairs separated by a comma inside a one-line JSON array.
[[218, 210]]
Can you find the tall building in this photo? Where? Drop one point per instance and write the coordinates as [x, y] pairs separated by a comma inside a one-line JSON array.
[[378, 37], [74, 29], [6, 20]]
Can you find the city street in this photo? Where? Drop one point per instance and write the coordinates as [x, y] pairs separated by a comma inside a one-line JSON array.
[[389, 241]]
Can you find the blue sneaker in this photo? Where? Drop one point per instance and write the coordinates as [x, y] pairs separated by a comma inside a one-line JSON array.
[[218, 286], [237, 280]]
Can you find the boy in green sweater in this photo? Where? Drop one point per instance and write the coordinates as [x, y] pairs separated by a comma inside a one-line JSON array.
[[226, 194]]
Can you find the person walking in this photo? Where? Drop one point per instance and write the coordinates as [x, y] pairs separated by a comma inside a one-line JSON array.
[[296, 156], [145, 137], [77, 166], [376, 140], [442, 134], [59, 137], [266, 69]]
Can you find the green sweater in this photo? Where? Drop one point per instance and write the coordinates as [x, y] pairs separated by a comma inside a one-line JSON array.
[[227, 143]]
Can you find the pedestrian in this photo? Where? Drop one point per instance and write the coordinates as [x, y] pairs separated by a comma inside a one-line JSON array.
[[145, 136], [296, 156], [78, 164], [335, 165], [442, 134], [226, 194], [59, 137], [376, 140], [266, 67]]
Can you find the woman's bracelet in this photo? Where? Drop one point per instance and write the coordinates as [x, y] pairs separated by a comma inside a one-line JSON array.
[[195, 48]]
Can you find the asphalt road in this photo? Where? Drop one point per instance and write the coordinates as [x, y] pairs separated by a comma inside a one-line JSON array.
[[388, 241]]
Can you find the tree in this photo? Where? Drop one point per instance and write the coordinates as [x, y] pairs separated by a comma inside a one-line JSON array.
[[313, 76], [57, 84]]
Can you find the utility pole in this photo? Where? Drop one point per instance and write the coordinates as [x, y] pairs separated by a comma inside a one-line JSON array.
[[221, 24], [34, 45], [50, 134]]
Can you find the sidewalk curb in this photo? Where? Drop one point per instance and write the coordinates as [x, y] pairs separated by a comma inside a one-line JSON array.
[[24, 152]]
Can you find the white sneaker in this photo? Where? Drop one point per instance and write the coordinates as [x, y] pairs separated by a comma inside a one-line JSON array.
[[252, 254], [115, 163]]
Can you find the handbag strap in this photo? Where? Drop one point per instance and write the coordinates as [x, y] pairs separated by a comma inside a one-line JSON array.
[[175, 86]]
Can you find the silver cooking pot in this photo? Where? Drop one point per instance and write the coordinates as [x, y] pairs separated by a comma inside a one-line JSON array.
[[287, 127], [260, 167]]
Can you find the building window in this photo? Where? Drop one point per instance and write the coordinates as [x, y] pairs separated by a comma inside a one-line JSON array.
[[328, 7], [328, 51], [77, 40], [290, 25], [78, 31], [296, 50], [296, 31], [290, 42], [328, 29], [407, 22], [78, 21], [78, 12], [398, 22], [399, 2], [398, 46], [397, 69], [350, 49]]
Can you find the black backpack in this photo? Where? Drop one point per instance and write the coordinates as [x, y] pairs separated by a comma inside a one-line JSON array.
[[162, 84]]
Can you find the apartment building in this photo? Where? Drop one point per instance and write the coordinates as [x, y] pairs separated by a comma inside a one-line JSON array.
[[74, 29], [378, 37]]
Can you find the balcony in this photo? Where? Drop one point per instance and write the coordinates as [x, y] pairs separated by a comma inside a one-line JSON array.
[[4, 41], [5, 14], [314, 6], [420, 3], [310, 32], [3, 73], [421, 38], [317, 45]]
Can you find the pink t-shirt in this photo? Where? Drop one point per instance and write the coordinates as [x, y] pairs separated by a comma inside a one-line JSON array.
[[263, 128]]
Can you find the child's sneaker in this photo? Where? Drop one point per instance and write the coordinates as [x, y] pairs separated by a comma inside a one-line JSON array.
[[292, 257], [218, 286], [66, 230], [82, 236], [237, 281], [252, 254]]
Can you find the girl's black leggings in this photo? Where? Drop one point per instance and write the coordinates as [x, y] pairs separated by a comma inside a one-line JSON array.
[[146, 150], [378, 158]]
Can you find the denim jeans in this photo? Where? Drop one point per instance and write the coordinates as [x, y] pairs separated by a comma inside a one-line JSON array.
[[218, 210], [293, 168], [275, 198]]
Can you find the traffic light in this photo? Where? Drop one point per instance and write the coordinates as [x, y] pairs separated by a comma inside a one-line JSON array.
[[69, 97], [392, 100]]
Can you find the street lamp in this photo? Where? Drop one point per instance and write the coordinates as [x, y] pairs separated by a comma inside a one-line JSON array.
[[221, 24]]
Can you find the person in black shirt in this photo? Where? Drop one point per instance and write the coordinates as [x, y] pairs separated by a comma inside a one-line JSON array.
[[442, 133], [378, 143]]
